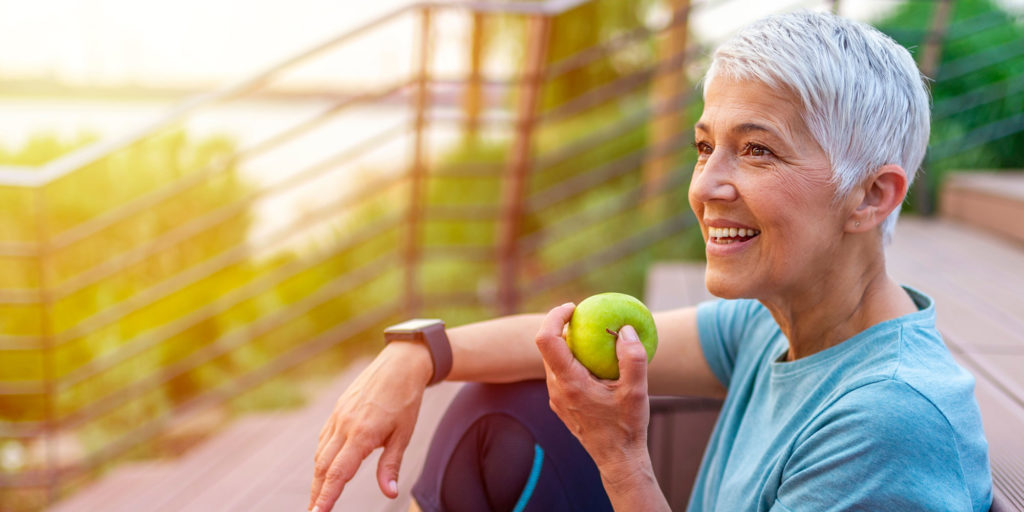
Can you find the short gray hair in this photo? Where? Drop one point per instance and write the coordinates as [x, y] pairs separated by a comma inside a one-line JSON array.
[[865, 102]]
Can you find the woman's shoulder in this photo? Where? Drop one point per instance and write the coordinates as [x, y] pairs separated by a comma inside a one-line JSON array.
[[931, 409], [906, 380], [884, 402], [908, 371], [897, 433]]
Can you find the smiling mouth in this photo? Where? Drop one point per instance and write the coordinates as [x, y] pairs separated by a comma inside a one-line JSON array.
[[731, 235]]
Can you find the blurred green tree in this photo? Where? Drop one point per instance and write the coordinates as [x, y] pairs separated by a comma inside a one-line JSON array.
[[978, 92], [99, 282]]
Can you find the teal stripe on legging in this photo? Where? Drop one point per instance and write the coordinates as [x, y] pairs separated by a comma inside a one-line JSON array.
[[524, 498]]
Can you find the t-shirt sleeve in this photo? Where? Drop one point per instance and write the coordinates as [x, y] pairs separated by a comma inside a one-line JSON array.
[[882, 446], [720, 326]]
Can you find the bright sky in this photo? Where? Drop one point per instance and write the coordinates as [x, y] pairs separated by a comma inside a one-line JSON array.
[[209, 41], [123, 40]]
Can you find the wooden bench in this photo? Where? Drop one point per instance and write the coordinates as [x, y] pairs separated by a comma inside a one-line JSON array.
[[977, 281], [987, 200]]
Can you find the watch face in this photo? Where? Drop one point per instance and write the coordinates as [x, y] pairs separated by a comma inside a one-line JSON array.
[[417, 324]]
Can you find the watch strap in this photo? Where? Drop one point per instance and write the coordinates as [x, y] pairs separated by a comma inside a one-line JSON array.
[[440, 351], [436, 339]]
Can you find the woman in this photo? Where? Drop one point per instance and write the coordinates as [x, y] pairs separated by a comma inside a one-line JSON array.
[[839, 392]]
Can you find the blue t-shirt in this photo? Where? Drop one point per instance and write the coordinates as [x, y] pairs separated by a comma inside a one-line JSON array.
[[885, 420]]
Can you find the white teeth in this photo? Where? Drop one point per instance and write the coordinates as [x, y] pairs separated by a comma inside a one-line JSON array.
[[726, 233]]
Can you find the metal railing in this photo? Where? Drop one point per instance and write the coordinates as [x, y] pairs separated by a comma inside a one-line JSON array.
[[619, 168]]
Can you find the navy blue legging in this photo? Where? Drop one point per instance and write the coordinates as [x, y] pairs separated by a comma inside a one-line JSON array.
[[501, 448]]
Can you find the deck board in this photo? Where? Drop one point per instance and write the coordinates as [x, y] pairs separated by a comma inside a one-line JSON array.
[[121, 483], [978, 269], [261, 462]]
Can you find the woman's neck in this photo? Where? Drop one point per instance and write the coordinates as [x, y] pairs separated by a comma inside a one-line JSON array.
[[842, 302]]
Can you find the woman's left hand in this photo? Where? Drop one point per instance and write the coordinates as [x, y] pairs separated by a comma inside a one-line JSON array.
[[609, 417]]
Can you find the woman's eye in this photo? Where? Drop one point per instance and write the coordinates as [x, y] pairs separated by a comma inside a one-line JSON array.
[[703, 148], [757, 150]]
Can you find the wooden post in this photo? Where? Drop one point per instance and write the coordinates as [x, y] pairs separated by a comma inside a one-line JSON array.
[[931, 56], [670, 80], [417, 171], [472, 101], [517, 169]]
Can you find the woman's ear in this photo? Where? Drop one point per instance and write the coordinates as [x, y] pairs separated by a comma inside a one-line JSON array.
[[880, 194]]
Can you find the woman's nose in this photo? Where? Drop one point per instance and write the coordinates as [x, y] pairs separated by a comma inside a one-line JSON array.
[[713, 181]]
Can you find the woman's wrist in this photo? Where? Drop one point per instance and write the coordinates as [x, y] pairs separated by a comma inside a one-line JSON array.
[[626, 469], [627, 451], [631, 485], [413, 356]]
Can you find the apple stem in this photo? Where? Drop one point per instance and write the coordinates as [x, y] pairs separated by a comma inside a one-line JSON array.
[[613, 333]]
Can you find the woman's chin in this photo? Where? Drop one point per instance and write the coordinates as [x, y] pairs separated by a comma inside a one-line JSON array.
[[725, 286]]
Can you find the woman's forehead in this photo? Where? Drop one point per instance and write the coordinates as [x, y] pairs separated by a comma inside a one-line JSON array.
[[748, 106]]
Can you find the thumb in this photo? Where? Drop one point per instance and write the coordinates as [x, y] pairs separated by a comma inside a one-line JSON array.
[[632, 357], [390, 462]]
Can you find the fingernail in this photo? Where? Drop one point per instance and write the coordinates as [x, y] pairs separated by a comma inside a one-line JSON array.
[[316, 509], [393, 486], [628, 333], [567, 304]]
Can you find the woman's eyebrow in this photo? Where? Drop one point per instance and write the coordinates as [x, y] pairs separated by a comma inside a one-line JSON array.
[[742, 128], [754, 127]]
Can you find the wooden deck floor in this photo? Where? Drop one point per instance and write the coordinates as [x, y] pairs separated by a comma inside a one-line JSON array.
[[264, 463], [260, 463]]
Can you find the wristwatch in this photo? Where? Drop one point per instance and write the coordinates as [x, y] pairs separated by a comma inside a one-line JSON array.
[[428, 331]]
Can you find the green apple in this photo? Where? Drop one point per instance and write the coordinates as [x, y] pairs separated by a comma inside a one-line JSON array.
[[594, 328]]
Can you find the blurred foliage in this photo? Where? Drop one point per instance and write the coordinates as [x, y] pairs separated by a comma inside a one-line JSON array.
[[586, 26], [978, 93], [91, 277], [156, 306], [571, 33]]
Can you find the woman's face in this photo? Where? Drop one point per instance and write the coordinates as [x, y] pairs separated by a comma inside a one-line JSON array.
[[761, 190]]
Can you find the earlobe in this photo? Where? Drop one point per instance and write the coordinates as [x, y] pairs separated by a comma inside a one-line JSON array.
[[880, 194]]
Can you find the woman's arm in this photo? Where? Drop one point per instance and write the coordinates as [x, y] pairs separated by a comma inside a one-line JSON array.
[[609, 417], [380, 408], [679, 366], [498, 350], [503, 350]]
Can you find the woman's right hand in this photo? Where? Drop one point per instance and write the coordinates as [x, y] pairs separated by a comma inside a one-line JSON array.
[[378, 409]]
